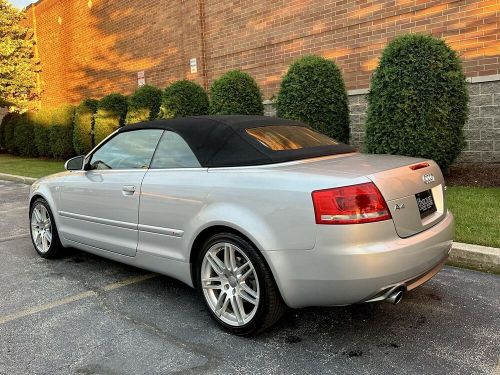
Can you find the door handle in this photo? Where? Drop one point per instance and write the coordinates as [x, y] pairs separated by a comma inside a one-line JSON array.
[[128, 189]]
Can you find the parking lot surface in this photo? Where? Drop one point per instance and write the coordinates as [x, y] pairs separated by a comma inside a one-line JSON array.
[[82, 314]]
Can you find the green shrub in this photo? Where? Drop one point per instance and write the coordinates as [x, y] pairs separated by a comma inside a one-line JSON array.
[[83, 137], [144, 104], [184, 98], [10, 130], [42, 120], [24, 139], [110, 115], [3, 125], [235, 93], [61, 132], [8, 125], [417, 104], [313, 91]]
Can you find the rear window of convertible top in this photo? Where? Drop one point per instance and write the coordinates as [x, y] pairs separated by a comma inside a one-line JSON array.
[[287, 137]]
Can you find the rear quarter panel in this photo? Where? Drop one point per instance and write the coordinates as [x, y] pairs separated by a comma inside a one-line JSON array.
[[271, 205]]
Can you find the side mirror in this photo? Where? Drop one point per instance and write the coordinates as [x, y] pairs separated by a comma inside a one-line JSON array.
[[74, 164]]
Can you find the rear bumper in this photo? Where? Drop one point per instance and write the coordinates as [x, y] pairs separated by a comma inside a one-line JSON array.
[[352, 264]]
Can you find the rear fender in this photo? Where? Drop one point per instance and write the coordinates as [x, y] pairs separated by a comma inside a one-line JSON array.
[[238, 218]]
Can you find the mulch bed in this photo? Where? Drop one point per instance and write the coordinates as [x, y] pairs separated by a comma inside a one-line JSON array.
[[474, 174]]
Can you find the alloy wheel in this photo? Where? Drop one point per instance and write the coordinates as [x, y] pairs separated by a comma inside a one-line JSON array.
[[41, 228], [230, 284]]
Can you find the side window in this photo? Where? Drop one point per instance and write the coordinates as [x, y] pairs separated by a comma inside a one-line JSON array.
[[173, 152], [129, 150]]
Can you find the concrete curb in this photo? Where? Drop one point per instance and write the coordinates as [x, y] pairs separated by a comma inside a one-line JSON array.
[[481, 258], [15, 178]]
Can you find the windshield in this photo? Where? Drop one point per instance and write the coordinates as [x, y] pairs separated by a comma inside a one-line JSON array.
[[287, 137]]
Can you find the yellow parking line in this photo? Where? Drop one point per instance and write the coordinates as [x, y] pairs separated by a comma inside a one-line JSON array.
[[129, 281], [46, 306], [16, 237], [77, 297]]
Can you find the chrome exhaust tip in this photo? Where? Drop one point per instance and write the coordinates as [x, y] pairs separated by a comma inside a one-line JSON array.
[[395, 297]]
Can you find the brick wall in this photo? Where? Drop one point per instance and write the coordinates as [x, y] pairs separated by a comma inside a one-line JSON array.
[[90, 48], [93, 47], [357, 117], [482, 131], [263, 37]]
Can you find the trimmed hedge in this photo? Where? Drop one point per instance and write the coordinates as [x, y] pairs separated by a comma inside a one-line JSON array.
[[144, 104], [110, 115], [42, 121], [313, 91], [184, 98], [83, 137], [2, 125], [8, 125], [24, 139], [4, 129], [417, 104], [2, 132], [236, 93], [61, 132]]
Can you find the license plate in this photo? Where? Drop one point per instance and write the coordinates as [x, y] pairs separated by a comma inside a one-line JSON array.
[[425, 203]]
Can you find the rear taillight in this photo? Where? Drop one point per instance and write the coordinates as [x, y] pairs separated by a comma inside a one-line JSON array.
[[354, 204]]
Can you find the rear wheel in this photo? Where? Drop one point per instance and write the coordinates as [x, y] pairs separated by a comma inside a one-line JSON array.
[[237, 285], [43, 230]]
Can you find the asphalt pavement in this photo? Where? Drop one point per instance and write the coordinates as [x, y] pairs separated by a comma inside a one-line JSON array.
[[82, 314]]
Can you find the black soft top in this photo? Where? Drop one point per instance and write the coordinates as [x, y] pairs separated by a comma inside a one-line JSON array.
[[221, 141]]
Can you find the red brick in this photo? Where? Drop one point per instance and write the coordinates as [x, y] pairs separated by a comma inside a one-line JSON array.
[[100, 50]]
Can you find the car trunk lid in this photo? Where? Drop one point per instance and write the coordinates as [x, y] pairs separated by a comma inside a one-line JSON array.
[[416, 198]]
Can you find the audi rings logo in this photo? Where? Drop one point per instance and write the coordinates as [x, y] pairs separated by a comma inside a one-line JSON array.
[[428, 178]]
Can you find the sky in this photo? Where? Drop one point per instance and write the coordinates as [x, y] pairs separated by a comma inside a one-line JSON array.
[[20, 3]]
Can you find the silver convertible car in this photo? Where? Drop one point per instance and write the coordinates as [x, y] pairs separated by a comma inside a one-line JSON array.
[[257, 213]]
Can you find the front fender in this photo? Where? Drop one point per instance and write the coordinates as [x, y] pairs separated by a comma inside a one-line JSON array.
[[47, 191]]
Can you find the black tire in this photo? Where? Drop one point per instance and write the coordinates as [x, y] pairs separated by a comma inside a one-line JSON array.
[[55, 248], [270, 306]]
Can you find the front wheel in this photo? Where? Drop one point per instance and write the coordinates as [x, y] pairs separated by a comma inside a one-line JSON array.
[[43, 230], [237, 285]]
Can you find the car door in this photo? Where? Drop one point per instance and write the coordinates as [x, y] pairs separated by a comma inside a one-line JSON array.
[[99, 206], [173, 193]]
